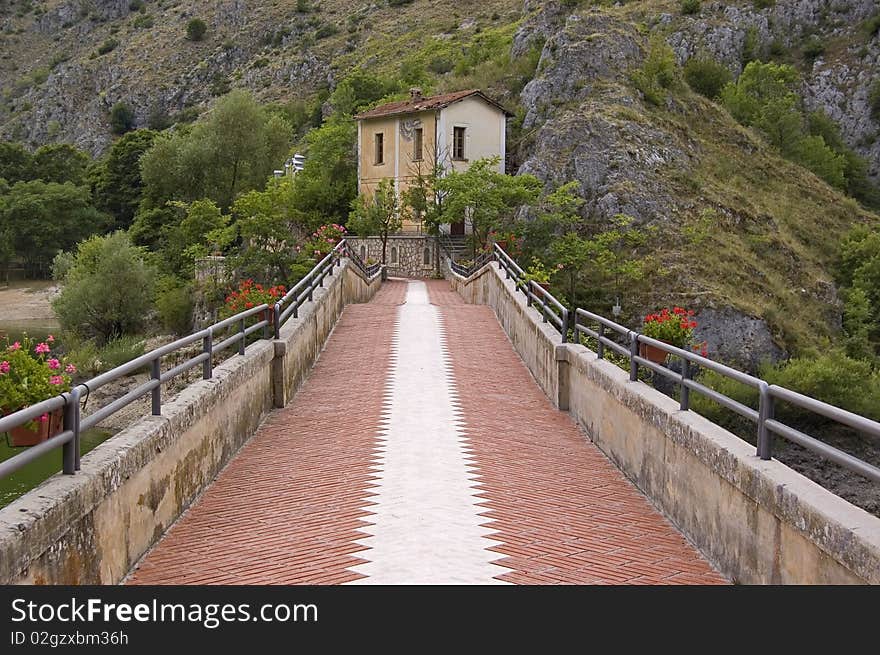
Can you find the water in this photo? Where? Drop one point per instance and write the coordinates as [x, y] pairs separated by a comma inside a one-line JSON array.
[[33, 474]]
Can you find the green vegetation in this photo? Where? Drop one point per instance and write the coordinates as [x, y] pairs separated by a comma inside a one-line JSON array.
[[658, 73], [107, 289], [196, 29], [706, 76], [380, 215], [690, 7], [121, 118]]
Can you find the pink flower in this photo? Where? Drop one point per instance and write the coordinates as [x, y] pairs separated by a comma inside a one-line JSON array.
[[56, 379], [54, 364], [42, 348], [15, 346], [43, 418], [50, 339], [4, 368], [70, 368]]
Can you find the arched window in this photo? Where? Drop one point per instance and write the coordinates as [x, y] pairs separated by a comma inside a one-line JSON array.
[[363, 253], [426, 257], [393, 255]]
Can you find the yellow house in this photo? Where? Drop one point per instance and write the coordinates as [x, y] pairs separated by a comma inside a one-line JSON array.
[[403, 139]]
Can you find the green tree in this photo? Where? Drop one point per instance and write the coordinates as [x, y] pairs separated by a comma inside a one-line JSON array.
[[191, 238], [108, 291], [378, 215], [60, 162], [117, 184], [16, 163], [489, 198], [658, 73], [359, 90], [261, 240], [762, 89], [323, 191], [121, 118], [706, 76], [234, 150], [43, 218]]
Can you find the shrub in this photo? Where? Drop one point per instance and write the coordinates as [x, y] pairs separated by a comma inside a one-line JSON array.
[[120, 351], [326, 30], [111, 279], [108, 46], [831, 377], [813, 49], [674, 326], [657, 74], [195, 29], [874, 100], [302, 6], [690, 7], [174, 304], [441, 64], [706, 76], [121, 118]]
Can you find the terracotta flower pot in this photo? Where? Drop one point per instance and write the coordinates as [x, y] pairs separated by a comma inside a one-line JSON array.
[[652, 353], [26, 436]]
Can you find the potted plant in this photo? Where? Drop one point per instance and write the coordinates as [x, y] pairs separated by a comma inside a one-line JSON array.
[[29, 374], [675, 327], [538, 274]]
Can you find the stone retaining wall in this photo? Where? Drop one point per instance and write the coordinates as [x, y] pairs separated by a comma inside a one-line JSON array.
[[405, 254], [90, 528], [758, 522]]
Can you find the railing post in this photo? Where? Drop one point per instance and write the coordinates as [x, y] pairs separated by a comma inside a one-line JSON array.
[[156, 374], [600, 349], [269, 320], [565, 317], [242, 343], [70, 450], [633, 353], [276, 319], [765, 413], [207, 348], [685, 403], [527, 288]]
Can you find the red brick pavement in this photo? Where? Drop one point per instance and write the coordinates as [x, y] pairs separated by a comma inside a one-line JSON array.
[[565, 514], [287, 508]]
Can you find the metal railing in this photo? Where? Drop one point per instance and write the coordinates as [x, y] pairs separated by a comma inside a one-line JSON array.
[[368, 270], [763, 417], [473, 267], [69, 402], [631, 345], [551, 309]]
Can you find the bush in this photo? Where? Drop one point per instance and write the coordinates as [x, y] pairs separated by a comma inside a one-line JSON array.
[[874, 100], [657, 74], [121, 118], [813, 49], [302, 6], [830, 377], [690, 7], [91, 360], [326, 30], [441, 65], [108, 291], [706, 76], [174, 304], [195, 29], [108, 46]]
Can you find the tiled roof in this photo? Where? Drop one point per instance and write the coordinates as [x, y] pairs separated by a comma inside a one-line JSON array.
[[425, 104]]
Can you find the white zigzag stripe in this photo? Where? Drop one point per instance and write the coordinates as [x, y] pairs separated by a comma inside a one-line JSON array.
[[426, 527]]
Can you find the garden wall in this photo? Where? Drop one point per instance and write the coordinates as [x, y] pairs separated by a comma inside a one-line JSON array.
[[405, 254], [757, 521], [92, 527]]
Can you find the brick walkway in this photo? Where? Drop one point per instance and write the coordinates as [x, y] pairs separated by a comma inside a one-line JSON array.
[[345, 485]]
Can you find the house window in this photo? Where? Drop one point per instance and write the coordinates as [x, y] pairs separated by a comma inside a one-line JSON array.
[[363, 253], [380, 148], [426, 258], [458, 137], [417, 144], [393, 255]]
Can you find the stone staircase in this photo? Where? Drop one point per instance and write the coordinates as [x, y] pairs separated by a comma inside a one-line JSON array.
[[457, 246]]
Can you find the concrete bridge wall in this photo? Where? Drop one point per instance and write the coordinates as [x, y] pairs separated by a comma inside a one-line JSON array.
[[90, 528], [758, 522]]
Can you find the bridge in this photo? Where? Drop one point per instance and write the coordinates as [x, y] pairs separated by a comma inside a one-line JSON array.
[[429, 432]]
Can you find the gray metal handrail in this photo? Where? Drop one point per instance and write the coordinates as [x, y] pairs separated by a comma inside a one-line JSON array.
[[767, 425], [476, 265], [551, 309], [74, 424]]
